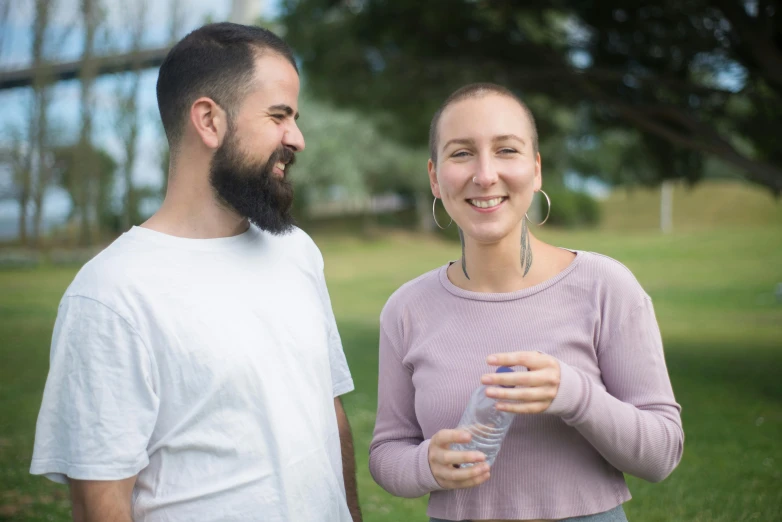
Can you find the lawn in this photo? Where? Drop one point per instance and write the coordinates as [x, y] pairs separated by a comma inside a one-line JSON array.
[[714, 296]]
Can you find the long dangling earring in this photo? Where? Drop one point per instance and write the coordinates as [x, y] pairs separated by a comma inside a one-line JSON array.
[[464, 259], [526, 247]]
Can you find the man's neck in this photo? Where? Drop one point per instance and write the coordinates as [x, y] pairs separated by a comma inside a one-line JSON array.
[[191, 208]]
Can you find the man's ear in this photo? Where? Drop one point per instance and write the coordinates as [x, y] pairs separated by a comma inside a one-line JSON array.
[[209, 121]]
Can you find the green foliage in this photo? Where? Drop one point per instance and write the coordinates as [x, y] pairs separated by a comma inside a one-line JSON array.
[[70, 164], [684, 80], [571, 209], [345, 148]]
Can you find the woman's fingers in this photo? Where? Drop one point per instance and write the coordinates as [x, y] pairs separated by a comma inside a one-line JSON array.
[[453, 478], [532, 360], [445, 462], [530, 378], [523, 407], [522, 394], [451, 457], [444, 438]]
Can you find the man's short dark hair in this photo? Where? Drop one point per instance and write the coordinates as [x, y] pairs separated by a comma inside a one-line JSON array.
[[476, 90], [216, 61]]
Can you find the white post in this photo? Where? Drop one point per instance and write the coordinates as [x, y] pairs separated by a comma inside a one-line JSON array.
[[666, 206]]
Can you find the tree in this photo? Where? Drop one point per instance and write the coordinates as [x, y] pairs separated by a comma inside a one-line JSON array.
[[687, 80], [41, 133], [68, 168], [128, 117], [346, 149], [31, 168], [88, 174]]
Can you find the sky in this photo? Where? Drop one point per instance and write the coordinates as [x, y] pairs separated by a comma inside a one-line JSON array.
[[15, 42]]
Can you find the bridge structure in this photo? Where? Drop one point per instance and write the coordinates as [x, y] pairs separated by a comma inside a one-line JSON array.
[[242, 11]]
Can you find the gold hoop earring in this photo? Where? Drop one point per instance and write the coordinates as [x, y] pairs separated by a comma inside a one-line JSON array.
[[548, 213], [434, 216]]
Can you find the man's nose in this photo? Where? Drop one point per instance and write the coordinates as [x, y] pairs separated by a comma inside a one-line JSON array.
[[293, 138]]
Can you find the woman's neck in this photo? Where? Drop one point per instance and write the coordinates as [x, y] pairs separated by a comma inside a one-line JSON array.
[[497, 267]]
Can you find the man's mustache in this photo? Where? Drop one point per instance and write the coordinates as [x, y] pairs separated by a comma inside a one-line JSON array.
[[284, 155]]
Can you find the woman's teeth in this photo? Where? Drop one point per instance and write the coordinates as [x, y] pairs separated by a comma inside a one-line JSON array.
[[487, 203]]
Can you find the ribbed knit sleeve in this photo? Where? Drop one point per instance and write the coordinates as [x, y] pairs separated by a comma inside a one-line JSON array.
[[398, 455], [634, 422]]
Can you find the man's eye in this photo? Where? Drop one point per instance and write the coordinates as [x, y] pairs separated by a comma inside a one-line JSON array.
[[460, 154], [278, 116], [508, 151]]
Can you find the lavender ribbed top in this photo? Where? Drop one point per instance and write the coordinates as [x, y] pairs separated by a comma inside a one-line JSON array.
[[615, 411]]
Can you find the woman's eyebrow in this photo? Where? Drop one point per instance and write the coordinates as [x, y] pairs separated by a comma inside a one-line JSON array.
[[459, 141], [506, 137]]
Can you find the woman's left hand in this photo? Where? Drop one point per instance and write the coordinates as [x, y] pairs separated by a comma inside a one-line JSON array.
[[534, 389]]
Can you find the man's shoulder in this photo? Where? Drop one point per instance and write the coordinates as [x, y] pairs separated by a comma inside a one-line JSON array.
[[110, 271], [298, 246], [299, 237]]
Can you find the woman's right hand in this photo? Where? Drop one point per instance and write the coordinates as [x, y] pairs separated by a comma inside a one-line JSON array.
[[444, 462]]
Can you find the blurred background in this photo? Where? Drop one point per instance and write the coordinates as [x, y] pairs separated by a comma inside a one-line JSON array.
[[661, 139]]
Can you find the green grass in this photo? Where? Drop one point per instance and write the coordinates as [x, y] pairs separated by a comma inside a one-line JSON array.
[[707, 205], [714, 296]]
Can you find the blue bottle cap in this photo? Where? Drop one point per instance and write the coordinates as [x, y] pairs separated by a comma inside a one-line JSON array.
[[504, 369]]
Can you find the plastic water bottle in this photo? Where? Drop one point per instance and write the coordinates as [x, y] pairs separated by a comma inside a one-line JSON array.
[[487, 424]]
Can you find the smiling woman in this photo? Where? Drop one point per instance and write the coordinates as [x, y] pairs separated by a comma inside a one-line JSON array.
[[595, 401], [465, 166]]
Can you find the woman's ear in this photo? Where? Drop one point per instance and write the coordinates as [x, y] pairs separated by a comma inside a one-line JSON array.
[[432, 168], [538, 173]]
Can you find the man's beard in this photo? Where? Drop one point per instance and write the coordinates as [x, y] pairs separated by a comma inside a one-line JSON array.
[[252, 190]]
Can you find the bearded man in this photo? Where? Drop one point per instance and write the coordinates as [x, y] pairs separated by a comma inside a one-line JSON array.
[[196, 367]]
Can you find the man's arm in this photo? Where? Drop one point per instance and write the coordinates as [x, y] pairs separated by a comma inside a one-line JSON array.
[[102, 500], [348, 461]]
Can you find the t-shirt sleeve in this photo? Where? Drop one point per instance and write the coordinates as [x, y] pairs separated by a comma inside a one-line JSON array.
[[341, 380], [99, 403]]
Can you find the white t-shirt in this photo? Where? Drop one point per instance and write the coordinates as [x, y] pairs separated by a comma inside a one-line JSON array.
[[207, 367]]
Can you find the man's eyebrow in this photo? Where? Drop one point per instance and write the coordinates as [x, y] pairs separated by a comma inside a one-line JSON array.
[[284, 108]]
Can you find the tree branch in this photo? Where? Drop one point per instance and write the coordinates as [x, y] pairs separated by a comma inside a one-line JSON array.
[[756, 43], [758, 171]]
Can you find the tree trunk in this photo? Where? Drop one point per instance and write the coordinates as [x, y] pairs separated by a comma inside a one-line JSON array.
[[24, 198], [44, 172], [129, 116], [86, 178], [130, 137]]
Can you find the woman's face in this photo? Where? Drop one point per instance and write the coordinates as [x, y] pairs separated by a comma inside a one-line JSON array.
[[487, 170]]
